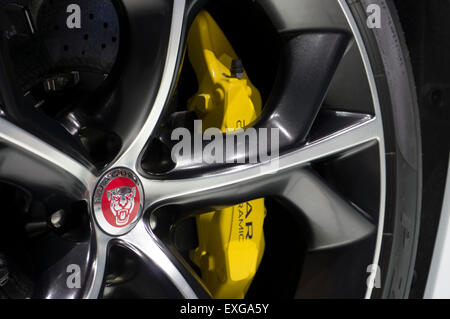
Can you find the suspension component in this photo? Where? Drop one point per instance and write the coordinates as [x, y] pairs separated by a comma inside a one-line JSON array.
[[231, 240]]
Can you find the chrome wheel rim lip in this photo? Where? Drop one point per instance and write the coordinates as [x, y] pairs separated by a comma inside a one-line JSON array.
[[381, 141]]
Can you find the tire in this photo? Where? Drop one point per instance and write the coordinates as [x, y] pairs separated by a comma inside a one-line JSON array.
[[394, 78]]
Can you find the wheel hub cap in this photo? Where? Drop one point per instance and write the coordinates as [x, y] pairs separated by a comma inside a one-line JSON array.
[[118, 201]]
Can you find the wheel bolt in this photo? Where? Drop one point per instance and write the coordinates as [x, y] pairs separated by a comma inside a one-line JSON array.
[[58, 218]]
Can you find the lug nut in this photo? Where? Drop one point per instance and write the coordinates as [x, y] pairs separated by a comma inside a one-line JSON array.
[[58, 218]]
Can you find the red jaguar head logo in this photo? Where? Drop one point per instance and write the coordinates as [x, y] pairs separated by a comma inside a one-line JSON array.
[[120, 202]]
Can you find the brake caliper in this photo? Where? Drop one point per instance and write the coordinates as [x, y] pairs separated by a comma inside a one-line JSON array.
[[231, 240]]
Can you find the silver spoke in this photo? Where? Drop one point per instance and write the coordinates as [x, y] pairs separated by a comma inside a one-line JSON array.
[[21, 140], [128, 158], [160, 192], [97, 267], [140, 239]]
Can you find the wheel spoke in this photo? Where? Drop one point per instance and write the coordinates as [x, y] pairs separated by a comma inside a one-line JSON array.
[[308, 65], [97, 265], [137, 88], [183, 279], [333, 221], [255, 180], [25, 159]]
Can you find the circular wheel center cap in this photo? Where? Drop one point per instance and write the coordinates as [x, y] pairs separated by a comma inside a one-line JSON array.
[[118, 201]]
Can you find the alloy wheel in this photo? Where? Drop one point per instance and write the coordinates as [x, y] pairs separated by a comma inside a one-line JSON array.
[[322, 141]]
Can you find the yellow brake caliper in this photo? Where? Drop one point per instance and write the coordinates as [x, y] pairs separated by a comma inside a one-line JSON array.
[[231, 240]]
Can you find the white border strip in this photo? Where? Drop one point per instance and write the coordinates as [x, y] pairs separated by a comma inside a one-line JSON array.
[[439, 276]]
